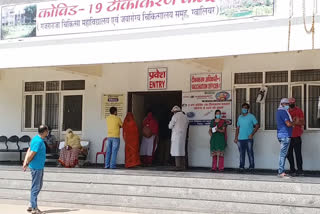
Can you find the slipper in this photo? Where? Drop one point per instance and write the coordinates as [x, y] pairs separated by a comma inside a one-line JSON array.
[[283, 175]]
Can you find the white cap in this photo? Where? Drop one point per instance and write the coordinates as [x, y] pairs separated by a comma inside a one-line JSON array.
[[284, 100], [176, 109]]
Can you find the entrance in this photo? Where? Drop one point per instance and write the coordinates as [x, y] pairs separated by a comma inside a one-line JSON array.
[[161, 104]]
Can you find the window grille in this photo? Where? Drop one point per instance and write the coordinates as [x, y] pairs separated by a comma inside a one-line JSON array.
[[37, 111], [248, 78], [52, 110], [314, 108], [276, 76], [34, 86], [275, 94], [52, 85], [305, 75], [255, 108], [73, 85], [28, 111], [241, 94]]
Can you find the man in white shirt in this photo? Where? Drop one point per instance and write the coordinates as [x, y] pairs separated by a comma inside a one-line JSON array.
[[179, 125]]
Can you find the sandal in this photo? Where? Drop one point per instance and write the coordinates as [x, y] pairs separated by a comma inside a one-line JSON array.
[[283, 175], [37, 211]]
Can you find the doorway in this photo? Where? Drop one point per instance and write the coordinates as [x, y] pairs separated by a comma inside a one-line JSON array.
[[161, 104]]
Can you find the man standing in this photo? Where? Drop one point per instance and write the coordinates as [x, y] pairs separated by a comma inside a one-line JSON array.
[[295, 144], [247, 126], [179, 125], [284, 130], [35, 159], [114, 124]]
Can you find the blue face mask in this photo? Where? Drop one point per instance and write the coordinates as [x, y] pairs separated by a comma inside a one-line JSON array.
[[218, 116], [286, 107], [244, 111]]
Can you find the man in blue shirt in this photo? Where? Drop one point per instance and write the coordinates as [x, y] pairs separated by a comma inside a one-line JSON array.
[[247, 126], [35, 159], [284, 132]]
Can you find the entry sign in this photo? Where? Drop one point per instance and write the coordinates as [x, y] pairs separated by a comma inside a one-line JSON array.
[[205, 82], [157, 78]]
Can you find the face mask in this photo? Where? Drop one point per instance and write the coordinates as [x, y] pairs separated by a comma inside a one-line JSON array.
[[244, 111], [292, 105], [218, 116], [286, 107]]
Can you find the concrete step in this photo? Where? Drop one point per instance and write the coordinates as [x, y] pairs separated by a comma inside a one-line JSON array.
[[167, 192], [213, 193], [253, 183], [204, 206]]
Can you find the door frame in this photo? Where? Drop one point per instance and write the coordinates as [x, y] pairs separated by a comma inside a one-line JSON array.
[[62, 95], [130, 95]]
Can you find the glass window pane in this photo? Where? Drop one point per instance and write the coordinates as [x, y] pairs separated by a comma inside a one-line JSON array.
[[305, 75], [297, 94], [37, 111], [34, 86], [72, 112], [277, 76], [314, 107], [248, 78], [241, 94], [275, 94], [255, 108], [52, 110], [73, 85], [52, 85], [28, 111]]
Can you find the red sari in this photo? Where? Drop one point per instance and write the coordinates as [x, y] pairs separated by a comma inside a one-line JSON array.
[[131, 138]]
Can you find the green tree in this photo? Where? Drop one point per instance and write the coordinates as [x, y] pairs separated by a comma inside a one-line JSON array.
[[268, 2], [30, 13]]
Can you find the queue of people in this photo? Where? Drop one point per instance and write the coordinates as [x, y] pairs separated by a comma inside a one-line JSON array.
[[290, 122]]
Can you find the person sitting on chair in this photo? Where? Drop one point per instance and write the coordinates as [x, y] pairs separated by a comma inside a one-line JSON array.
[[50, 142], [72, 148]]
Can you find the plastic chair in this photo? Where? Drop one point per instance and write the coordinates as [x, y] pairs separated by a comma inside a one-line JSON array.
[[4, 139], [14, 139], [25, 139], [102, 150]]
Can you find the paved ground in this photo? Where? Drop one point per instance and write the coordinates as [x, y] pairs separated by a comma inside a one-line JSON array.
[[20, 209]]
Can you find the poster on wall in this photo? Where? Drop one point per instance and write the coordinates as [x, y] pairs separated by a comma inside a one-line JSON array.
[[73, 16], [112, 100], [157, 78], [18, 21], [201, 106], [205, 82]]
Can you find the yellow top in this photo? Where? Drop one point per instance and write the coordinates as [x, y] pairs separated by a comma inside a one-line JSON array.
[[114, 124], [73, 141]]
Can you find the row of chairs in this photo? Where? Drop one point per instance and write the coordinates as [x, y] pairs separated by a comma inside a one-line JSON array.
[[14, 140], [26, 139]]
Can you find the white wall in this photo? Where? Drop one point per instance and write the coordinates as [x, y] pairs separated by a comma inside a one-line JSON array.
[[122, 78]]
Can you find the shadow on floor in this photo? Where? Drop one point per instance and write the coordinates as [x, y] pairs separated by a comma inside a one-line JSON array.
[[60, 211]]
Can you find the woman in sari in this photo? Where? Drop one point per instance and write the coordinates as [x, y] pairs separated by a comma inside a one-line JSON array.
[[131, 138], [149, 143], [218, 141], [72, 148]]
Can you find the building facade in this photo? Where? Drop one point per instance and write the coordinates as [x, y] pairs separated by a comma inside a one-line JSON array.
[[61, 79]]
